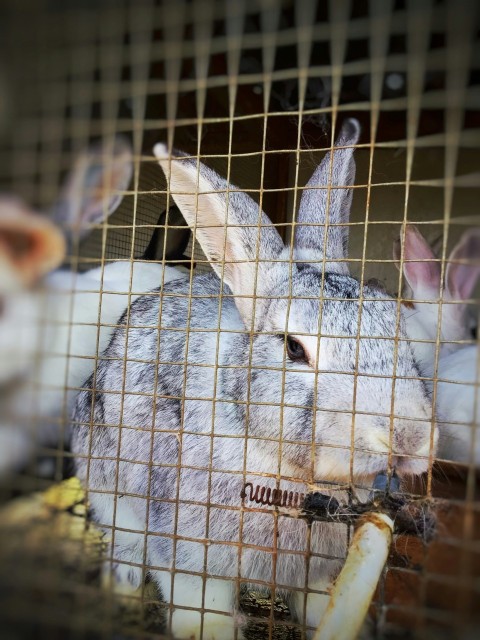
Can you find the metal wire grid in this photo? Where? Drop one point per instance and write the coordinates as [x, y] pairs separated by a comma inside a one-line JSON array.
[[88, 70]]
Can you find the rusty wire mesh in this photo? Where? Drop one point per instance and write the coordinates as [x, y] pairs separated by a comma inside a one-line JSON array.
[[255, 91]]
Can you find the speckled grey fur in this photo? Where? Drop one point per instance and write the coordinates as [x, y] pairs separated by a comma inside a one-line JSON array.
[[134, 448]]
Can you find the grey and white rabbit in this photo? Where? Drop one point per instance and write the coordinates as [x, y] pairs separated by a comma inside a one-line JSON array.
[[458, 373], [49, 316], [223, 384]]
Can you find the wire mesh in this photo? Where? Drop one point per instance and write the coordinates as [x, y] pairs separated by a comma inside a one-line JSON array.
[[257, 92]]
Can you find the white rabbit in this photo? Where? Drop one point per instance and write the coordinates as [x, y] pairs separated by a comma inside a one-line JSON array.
[[49, 336], [458, 405], [422, 316], [458, 373], [224, 387]]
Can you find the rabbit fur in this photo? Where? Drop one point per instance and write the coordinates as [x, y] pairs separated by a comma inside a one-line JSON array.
[[458, 374], [424, 280], [458, 405], [198, 395], [49, 336]]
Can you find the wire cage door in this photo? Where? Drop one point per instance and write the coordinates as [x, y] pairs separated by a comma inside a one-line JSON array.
[[240, 252]]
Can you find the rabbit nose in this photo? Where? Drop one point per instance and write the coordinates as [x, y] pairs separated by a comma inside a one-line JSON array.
[[427, 442], [415, 459], [382, 442], [424, 449], [379, 442]]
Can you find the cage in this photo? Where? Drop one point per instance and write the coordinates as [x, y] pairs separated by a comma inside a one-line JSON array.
[[194, 407]]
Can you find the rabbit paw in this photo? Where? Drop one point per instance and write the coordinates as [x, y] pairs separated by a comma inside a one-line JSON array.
[[186, 625], [121, 579]]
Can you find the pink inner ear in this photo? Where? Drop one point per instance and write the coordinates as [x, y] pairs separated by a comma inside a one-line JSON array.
[[103, 195], [462, 278], [32, 246], [15, 244], [29, 243], [423, 277], [94, 187]]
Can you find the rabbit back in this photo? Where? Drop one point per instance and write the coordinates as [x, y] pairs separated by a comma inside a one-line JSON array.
[[458, 405]]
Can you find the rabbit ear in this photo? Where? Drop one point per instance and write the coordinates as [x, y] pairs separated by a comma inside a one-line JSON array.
[[94, 188], [327, 202], [230, 227], [423, 277], [30, 245], [460, 279]]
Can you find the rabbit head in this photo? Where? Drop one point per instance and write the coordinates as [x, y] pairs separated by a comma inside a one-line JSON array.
[[422, 272], [30, 247], [321, 368], [33, 246]]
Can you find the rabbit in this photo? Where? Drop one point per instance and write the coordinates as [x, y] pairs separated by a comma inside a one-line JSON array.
[[423, 279], [164, 446], [458, 405], [33, 246], [48, 315], [457, 372]]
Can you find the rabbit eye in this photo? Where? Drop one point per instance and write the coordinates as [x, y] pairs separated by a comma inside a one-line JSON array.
[[295, 350]]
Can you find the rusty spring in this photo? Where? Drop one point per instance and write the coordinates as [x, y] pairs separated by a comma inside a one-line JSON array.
[[411, 515], [273, 497]]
